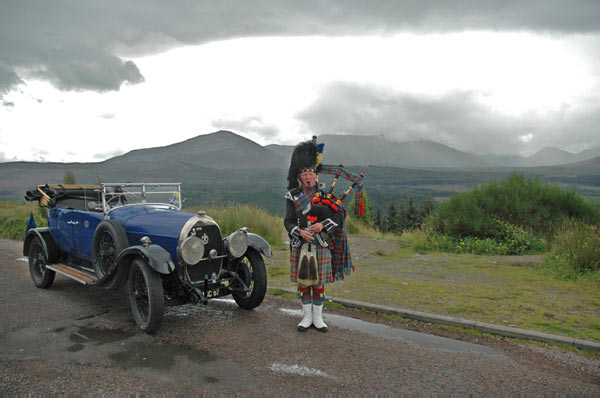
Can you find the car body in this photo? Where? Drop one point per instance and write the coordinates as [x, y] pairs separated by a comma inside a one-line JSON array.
[[136, 234]]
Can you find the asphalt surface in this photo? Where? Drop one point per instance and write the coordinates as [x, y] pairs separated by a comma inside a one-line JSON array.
[[81, 340]]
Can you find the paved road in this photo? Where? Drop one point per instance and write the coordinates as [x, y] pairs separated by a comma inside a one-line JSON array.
[[77, 339]]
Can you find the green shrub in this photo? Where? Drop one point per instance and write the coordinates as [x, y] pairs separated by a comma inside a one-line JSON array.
[[510, 240], [524, 203], [577, 246]]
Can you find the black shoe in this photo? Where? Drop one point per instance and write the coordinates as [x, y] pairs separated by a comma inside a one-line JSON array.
[[302, 328]]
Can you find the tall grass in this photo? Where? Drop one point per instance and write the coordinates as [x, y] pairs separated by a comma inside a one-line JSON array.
[[14, 215], [358, 228], [233, 217], [576, 248]]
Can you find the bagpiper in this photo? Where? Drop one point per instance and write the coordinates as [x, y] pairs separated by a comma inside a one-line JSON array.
[[315, 222]]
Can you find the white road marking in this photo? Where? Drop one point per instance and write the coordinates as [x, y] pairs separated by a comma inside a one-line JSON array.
[[298, 370]]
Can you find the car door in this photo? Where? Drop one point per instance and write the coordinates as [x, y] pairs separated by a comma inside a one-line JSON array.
[[61, 224], [84, 227]]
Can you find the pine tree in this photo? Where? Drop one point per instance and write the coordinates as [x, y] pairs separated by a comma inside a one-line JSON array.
[[69, 178], [378, 221], [427, 207], [412, 215], [392, 218]]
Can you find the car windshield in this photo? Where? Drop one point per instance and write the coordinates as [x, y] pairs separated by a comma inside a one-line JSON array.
[[115, 195]]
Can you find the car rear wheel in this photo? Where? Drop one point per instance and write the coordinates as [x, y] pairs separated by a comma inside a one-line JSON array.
[[109, 240], [42, 277], [146, 296], [253, 272]]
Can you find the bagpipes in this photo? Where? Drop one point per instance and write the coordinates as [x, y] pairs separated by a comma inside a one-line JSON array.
[[331, 199]]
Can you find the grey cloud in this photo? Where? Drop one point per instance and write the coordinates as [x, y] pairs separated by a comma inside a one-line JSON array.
[[8, 78], [75, 44], [108, 155], [108, 115], [39, 155], [457, 119], [252, 125]]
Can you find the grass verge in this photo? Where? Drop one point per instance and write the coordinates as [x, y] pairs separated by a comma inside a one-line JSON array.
[[511, 291]]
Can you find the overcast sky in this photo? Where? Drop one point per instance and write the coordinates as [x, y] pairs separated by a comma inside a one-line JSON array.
[[85, 80]]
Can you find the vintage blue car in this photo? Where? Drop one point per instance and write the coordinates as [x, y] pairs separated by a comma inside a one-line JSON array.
[[110, 235]]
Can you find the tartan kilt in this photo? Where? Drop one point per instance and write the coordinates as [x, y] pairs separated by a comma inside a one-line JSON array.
[[323, 263]]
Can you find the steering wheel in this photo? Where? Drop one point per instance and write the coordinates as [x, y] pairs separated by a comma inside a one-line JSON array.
[[120, 198]]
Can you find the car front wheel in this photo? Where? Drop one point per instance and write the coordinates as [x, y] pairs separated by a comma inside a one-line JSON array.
[[109, 240], [253, 272], [42, 277], [146, 296]]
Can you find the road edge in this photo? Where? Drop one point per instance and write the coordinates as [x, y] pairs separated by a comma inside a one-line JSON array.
[[466, 323]]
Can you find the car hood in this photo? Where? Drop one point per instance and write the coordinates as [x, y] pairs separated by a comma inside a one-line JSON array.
[[151, 220]]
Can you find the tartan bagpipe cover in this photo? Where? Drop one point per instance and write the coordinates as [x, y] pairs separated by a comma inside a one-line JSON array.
[[341, 259]]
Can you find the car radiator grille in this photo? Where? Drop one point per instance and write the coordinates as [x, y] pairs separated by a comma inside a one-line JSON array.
[[206, 268]]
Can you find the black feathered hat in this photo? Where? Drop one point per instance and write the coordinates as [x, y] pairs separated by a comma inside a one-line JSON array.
[[304, 158]]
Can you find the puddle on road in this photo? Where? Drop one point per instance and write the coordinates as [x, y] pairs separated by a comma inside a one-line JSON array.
[[135, 354], [408, 336], [157, 356], [98, 336]]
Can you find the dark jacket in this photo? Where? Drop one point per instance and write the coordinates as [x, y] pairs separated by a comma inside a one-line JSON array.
[[296, 216]]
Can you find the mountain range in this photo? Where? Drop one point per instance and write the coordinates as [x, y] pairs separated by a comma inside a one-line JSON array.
[[233, 165]]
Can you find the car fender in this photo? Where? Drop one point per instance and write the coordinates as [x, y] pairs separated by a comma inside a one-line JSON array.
[[258, 243], [157, 258], [51, 250]]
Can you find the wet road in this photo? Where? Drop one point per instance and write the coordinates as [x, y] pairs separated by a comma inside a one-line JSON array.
[[77, 339]]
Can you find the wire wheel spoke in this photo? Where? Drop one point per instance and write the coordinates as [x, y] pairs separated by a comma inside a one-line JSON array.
[[248, 264], [141, 294], [106, 251], [39, 262]]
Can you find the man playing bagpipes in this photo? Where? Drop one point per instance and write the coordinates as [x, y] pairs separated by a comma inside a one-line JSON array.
[[314, 220]]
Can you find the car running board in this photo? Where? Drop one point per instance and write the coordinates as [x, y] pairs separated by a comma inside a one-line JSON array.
[[69, 272]]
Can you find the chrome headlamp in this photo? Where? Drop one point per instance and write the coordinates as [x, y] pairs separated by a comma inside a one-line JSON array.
[[237, 243], [191, 250]]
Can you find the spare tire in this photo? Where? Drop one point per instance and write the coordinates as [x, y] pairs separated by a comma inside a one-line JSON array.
[[109, 240]]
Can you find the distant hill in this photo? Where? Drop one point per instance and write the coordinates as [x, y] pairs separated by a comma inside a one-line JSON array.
[[505, 160], [220, 150], [374, 150], [225, 167], [591, 164], [550, 156]]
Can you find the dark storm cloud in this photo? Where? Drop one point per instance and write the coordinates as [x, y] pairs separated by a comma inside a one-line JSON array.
[[74, 44], [8, 78], [457, 119], [252, 125]]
